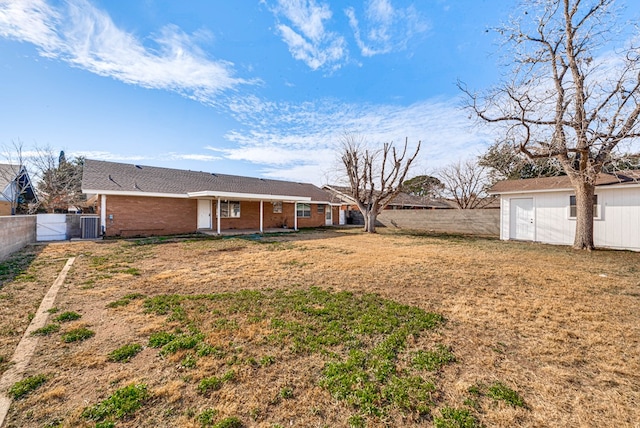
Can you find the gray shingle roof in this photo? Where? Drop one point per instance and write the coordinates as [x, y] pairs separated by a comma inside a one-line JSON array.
[[561, 182], [106, 177]]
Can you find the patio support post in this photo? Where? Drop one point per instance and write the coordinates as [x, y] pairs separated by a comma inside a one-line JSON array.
[[295, 216], [103, 213], [218, 209], [261, 216]]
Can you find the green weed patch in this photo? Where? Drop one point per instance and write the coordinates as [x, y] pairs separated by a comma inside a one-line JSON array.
[[124, 402], [26, 386], [77, 335], [362, 338], [67, 316], [125, 353]]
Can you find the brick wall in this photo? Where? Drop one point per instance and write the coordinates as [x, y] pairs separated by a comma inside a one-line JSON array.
[[144, 216], [5, 208], [250, 217], [16, 232], [474, 222]]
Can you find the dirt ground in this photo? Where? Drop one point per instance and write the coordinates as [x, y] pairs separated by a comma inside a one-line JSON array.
[[560, 327]]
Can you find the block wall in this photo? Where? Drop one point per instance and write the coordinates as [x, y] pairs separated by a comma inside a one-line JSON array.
[[16, 232], [474, 222]]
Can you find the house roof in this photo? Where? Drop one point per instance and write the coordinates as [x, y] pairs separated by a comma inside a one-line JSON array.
[[101, 177], [10, 173], [401, 200], [561, 183]]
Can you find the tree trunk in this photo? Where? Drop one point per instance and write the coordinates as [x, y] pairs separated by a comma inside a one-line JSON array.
[[370, 220], [584, 216]]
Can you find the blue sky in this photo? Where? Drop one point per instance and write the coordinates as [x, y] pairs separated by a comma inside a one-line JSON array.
[[249, 87]]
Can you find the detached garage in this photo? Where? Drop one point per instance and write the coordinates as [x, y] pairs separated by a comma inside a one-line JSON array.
[[544, 210]]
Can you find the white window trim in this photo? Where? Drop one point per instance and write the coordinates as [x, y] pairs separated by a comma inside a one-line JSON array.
[[229, 210], [298, 211], [597, 215]]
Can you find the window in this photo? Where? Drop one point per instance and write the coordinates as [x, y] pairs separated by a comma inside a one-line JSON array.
[[303, 210], [229, 209], [573, 209], [277, 207], [320, 209]]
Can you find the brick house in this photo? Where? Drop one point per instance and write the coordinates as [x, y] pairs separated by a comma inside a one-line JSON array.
[[136, 200]]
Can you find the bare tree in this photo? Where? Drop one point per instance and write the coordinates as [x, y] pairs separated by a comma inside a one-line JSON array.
[[466, 183], [375, 176], [562, 100], [59, 180]]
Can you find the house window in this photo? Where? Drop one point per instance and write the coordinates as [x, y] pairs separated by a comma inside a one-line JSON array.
[[573, 209], [320, 209], [277, 207], [303, 210], [229, 209]]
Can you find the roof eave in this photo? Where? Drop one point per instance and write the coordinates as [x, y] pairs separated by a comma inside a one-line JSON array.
[[247, 196]]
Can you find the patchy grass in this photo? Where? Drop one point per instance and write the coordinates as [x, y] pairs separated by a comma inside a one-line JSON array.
[[123, 402], [77, 335], [125, 300], [46, 330], [125, 353], [26, 386], [67, 316], [455, 418], [501, 392], [329, 329]]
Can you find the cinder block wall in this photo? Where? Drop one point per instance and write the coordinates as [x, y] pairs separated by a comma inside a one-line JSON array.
[[474, 222], [16, 232]]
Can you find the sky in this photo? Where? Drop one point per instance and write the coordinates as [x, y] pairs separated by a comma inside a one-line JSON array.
[[261, 88]]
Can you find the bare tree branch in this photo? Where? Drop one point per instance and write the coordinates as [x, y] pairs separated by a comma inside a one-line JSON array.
[[375, 176]]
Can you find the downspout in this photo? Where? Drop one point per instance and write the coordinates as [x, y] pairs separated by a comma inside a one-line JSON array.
[[295, 216], [218, 209], [261, 216], [103, 214]]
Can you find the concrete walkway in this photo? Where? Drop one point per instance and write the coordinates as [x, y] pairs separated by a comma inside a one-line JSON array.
[[27, 346]]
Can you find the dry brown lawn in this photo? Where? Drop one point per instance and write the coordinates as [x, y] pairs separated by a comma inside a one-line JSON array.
[[560, 327]]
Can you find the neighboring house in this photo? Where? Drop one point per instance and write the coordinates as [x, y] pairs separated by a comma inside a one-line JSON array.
[[544, 210], [15, 188], [136, 200], [350, 214]]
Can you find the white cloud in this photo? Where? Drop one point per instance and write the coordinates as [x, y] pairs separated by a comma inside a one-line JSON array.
[[87, 38], [306, 36], [193, 156], [385, 28], [301, 142]]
